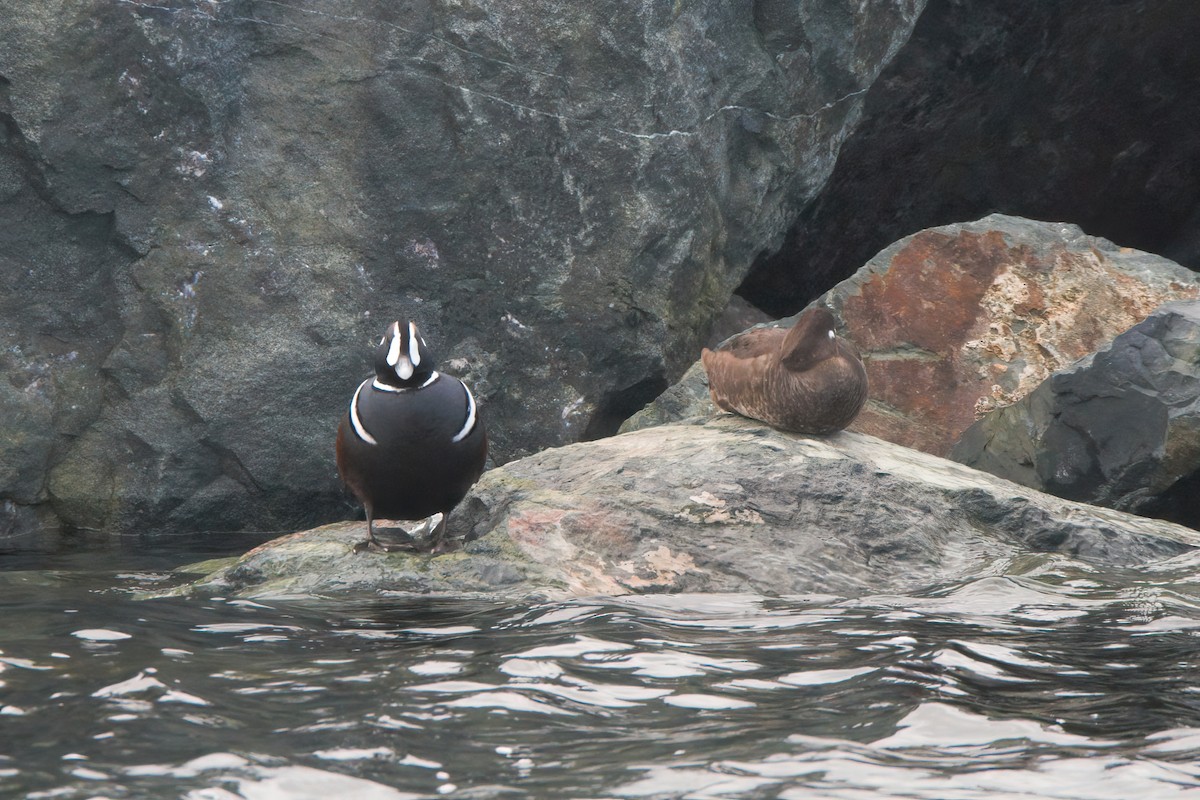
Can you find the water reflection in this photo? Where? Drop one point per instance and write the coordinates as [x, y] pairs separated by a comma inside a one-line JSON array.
[[1055, 681]]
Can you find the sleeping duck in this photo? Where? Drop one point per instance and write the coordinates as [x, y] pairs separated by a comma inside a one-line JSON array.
[[804, 379]]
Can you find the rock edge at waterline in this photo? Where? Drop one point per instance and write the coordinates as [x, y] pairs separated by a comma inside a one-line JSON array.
[[719, 505]]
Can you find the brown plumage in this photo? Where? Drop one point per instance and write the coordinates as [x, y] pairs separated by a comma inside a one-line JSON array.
[[803, 379]]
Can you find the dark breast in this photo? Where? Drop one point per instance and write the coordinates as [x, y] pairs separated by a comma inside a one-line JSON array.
[[415, 468]]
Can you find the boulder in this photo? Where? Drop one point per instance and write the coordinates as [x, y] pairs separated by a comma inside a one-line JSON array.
[[957, 320], [725, 506], [1119, 428], [215, 208], [1059, 111]]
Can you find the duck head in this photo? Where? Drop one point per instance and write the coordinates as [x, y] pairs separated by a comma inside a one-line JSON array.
[[810, 341], [401, 359]]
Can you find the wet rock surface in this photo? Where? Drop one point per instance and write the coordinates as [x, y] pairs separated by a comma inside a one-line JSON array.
[[1120, 428], [217, 207], [724, 506]]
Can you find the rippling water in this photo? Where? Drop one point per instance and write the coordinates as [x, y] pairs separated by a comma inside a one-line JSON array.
[[1055, 682]]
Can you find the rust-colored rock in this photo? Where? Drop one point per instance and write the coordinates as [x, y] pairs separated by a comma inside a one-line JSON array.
[[958, 320], [955, 321]]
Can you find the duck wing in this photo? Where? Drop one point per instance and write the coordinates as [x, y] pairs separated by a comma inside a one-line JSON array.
[[755, 342], [738, 383]]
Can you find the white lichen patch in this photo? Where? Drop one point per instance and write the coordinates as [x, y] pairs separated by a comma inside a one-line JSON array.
[[708, 509], [708, 499], [426, 250], [572, 409], [193, 163], [513, 322], [658, 567]]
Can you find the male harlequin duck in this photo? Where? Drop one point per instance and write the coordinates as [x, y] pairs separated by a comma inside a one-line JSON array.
[[412, 442], [805, 379]]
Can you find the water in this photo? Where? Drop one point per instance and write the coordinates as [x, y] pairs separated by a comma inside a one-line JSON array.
[[1055, 682]]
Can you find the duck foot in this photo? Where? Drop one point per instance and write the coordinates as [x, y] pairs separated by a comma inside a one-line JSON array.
[[411, 542], [434, 549], [376, 546]]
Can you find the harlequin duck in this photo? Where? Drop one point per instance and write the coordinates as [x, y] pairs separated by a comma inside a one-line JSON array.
[[411, 443], [804, 379]]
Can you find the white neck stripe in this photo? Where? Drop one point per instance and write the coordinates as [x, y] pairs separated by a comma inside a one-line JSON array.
[[355, 422], [383, 387], [469, 425]]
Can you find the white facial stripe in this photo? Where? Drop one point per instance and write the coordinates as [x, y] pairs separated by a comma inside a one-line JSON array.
[[414, 350], [394, 350], [469, 425], [404, 370], [355, 422], [831, 334]]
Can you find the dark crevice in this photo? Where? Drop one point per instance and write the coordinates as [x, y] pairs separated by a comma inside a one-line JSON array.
[[617, 406], [1177, 504]]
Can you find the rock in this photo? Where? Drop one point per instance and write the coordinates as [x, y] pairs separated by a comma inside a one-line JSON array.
[[1056, 111], [725, 506], [955, 321], [737, 317], [687, 398], [1119, 428], [218, 206]]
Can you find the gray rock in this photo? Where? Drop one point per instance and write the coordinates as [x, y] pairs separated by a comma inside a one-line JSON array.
[[1119, 428], [214, 208], [725, 506], [687, 398]]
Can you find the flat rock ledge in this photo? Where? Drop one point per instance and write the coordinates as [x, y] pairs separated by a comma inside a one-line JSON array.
[[717, 505]]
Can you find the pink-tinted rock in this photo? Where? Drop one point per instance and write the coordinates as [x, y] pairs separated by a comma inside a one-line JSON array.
[[957, 320], [724, 506]]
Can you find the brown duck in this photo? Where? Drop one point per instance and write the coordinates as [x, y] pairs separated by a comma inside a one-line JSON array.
[[804, 379]]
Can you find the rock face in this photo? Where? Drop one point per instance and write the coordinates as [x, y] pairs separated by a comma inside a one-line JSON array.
[[1058, 111], [1120, 428], [215, 208], [725, 506], [957, 320]]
